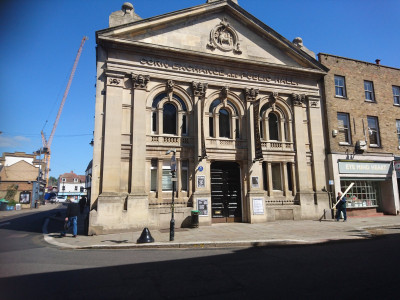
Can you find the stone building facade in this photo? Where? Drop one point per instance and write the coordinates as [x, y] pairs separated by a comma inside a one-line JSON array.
[[363, 132], [237, 106]]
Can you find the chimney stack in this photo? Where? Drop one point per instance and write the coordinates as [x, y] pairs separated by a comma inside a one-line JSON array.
[[378, 61]]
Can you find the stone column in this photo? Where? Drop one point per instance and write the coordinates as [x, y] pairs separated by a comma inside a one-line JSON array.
[[300, 142], [269, 180], [139, 85], [317, 142], [199, 91], [285, 179], [112, 135]]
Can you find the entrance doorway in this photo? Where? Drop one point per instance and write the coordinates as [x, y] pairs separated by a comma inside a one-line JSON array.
[[225, 192]]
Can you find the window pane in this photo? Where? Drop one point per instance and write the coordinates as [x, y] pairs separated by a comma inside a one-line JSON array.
[[273, 127], [398, 130], [153, 185], [396, 95], [276, 176], [166, 180], [184, 180], [340, 86], [369, 90], [154, 122], [224, 128], [343, 127], [184, 125], [373, 130], [169, 119], [211, 126]]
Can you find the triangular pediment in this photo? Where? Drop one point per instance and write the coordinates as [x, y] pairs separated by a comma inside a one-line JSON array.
[[20, 171], [221, 29]]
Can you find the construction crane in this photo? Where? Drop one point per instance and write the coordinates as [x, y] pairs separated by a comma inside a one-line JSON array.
[[47, 143]]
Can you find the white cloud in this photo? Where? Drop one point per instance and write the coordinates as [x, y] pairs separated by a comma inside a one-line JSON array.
[[12, 141]]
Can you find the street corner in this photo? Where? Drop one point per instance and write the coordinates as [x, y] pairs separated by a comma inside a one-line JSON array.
[[56, 239]]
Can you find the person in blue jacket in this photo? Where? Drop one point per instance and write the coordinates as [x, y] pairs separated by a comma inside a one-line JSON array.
[[341, 207]]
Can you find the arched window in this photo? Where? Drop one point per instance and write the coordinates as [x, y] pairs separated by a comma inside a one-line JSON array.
[[273, 126], [169, 118], [224, 124], [225, 117], [169, 110]]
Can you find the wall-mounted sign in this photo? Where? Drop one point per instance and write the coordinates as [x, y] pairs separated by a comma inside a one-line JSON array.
[[258, 206], [397, 165], [202, 206], [200, 169], [352, 167], [201, 181], [254, 182], [331, 182]]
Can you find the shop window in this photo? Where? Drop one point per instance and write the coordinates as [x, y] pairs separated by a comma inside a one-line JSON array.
[[373, 132], [340, 87], [364, 193], [396, 95], [276, 176], [369, 91], [344, 135]]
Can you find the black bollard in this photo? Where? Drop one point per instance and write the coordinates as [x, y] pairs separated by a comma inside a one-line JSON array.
[[145, 237]]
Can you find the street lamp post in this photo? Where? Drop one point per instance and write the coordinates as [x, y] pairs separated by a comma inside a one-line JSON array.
[[173, 179]]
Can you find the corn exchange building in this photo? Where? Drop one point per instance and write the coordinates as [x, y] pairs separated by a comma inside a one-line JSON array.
[[236, 106]]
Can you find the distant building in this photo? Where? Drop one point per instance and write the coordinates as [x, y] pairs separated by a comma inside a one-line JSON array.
[[71, 186], [20, 170], [363, 132], [88, 179]]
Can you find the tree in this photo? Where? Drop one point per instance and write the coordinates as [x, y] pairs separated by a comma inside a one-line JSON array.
[[11, 191], [53, 181]]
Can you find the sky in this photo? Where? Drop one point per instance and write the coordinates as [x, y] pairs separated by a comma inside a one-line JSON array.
[[40, 40]]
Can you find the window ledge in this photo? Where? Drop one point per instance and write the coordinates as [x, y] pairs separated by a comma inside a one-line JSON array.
[[370, 101], [374, 146], [344, 144], [340, 97]]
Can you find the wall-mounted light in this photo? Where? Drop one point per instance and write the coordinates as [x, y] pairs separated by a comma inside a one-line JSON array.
[[334, 132]]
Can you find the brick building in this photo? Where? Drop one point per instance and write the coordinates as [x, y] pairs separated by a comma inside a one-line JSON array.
[[20, 170], [363, 132]]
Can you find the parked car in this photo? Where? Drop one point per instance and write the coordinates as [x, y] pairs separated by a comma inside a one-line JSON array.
[[58, 199]]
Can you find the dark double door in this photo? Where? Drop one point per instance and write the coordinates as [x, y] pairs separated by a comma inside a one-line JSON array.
[[225, 192]]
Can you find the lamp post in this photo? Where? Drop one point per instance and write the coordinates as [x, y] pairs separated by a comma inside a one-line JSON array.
[[173, 179]]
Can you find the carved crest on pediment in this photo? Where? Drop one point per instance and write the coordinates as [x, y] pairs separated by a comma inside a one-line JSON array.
[[225, 38]]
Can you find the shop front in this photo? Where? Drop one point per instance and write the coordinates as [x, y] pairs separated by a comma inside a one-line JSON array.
[[375, 189]]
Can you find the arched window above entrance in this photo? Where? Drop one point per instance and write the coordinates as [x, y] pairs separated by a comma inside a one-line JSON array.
[[273, 126], [169, 115], [224, 119], [169, 118]]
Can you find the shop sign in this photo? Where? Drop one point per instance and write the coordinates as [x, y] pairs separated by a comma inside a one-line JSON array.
[[352, 167]]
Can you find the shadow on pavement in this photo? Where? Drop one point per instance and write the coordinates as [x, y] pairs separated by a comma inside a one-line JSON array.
[[365, 269]]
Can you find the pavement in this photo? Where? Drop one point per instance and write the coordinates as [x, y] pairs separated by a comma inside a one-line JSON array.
[[225, 235]]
